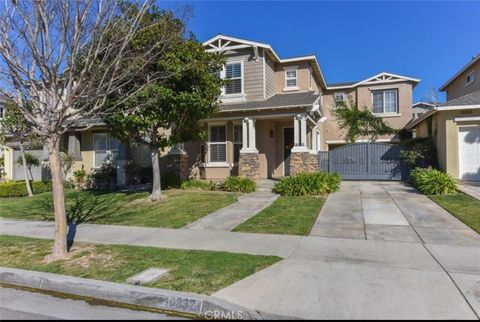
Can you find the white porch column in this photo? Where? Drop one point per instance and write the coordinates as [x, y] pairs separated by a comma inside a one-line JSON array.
[[248, 136], [300, 133]]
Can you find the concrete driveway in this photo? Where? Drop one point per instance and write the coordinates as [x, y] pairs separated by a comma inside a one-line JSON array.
[[380, 251]]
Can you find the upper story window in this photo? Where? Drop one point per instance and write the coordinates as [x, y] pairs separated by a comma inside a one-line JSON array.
[[234, 74], [340, 97], [385, 101], [471, 78], [291, 77], [217, 144]]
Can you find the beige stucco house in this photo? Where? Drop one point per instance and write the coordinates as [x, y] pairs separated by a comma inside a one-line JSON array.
[[455, 125], [274, 118]]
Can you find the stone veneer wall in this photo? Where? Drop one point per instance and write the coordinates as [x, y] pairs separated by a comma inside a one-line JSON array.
[[178, 164], [249, 165], [303, 162]]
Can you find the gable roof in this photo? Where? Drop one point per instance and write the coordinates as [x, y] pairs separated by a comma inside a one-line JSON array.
[[288, 100], [383, 77], [470, 63], [221, 43]]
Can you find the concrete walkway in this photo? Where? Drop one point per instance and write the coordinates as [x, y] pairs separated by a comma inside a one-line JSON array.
[[434, 274], [247, 206], [470, 188]]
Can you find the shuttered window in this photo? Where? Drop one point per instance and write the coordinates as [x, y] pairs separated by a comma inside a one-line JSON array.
[[233, 72], [217, 145]]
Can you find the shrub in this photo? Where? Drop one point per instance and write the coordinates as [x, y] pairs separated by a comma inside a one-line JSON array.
[[80, 177], [18, 188], [308, 184], [432, 181], [170, 181], [196, 184], [238, 184], [419, 152], [105, 177]]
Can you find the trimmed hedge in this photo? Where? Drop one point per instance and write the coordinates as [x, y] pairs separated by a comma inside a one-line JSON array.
[[197, 184], [18, 188], [170, 181], [308, 184], [238, 184], [433, 181]]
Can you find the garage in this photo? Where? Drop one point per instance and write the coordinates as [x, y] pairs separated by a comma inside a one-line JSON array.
[[469, 152]]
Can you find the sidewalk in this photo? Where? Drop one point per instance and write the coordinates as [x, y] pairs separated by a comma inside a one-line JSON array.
[[247, 206], [470, 188]]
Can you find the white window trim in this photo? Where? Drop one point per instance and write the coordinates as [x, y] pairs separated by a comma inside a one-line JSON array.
[[223, 75], [472, 81], [387, 114], [109, 147], [289, 69], [220, 163]]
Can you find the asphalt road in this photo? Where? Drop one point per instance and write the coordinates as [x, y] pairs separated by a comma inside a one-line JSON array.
[[23, 305]]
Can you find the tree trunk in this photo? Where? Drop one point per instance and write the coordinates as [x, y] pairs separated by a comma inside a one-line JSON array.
[[157, 187], [25, 171], [60, 245]]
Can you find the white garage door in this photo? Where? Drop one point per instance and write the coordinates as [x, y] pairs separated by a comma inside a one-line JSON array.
[[469, 145]]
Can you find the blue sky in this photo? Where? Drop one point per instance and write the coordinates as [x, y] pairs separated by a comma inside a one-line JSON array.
[[354, 40]]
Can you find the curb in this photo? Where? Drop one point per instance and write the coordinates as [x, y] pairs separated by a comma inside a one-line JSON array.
[[183, 303]]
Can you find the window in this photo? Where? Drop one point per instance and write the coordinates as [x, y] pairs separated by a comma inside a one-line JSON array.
[[339, 97], [217, 145], [471, 78], [237, 141], [2, 112], [233, 72], [385, 101], [291, 77], [104, 144]]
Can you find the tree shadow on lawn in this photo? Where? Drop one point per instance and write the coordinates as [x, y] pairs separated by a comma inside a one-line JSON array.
[[83, 208]]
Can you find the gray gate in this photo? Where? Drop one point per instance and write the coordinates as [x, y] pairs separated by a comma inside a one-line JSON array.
[[365, 161]]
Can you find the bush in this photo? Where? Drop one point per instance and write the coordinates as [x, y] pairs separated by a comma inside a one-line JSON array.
[[419, 152], [432, 181], [308, 184], [170, 181], [238, 184], [18, 188], [196, 184]]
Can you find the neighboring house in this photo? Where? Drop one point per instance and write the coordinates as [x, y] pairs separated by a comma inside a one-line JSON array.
[[275, 116], [455, 125], [420, 108]]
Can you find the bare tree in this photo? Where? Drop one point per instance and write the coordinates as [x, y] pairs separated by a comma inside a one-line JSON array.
[[59, 62]]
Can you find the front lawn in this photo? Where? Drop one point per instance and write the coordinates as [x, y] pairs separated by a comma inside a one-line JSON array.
[[179, 209], [201, 272], [462, 206], [287, 215]]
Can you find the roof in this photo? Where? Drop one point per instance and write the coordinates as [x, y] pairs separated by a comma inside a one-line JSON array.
[[382, 77], [428, 104], [470, 63], [469, 101], [228, 39], [276, 101]]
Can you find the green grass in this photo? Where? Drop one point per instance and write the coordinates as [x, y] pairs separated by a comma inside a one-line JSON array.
[[201, 272], [462, 206], [119, 208], [286, 216]]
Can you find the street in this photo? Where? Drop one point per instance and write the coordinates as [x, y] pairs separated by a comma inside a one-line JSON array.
[[24, 305]]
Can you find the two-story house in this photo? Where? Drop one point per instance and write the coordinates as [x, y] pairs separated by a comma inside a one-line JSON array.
[[274, 118], [276, 113], [455, 125]]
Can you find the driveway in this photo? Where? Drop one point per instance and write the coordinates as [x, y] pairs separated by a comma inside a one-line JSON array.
[[378, 251]]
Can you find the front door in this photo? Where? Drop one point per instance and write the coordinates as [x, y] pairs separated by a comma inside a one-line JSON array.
[[288, 142]]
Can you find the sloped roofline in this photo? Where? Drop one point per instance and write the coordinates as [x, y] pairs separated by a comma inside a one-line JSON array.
[[311, 58], [413, 80], [470, 63]]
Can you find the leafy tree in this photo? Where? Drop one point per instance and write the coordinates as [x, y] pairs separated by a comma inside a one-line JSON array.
[[31, 161], [358, 122], [14, 126], [177, 102]]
